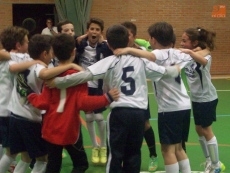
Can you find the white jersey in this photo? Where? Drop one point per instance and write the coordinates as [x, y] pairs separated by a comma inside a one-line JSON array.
[[199, 81], [128, 74], [22, 81], [6, 87], [87, 59], [170, 93]]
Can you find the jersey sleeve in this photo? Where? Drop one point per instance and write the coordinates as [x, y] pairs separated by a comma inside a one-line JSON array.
[[90, 103], [38, 69], [153, 71], [40, 101]]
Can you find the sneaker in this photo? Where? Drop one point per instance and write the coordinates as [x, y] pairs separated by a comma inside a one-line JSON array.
[[95, 155], [153, 164], [103, 155], [11, 168], [207, 166], [215, 169]]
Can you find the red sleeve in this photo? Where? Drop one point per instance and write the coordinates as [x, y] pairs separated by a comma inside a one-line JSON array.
[[40, 101], [90, 103]]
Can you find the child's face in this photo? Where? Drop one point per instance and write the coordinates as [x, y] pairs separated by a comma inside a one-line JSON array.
[[186, 42], [23, 48], [48, 56], [94, 33], [68, 29], [131, 38]]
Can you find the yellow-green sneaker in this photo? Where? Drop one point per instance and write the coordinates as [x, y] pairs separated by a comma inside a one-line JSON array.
[[103, 155], [153, 164], [95, 155]]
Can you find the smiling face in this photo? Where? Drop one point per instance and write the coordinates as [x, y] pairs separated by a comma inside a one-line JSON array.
[[186, 42], [68, 29], [94, 33]]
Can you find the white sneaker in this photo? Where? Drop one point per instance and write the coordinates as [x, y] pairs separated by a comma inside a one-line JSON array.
[[207, 166]]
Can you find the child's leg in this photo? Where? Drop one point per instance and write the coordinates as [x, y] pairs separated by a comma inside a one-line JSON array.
[[101, 127], [40, 165], [23, 164], [150, 139], [6, 160], [89, 117], [1, 150], [182, 159]]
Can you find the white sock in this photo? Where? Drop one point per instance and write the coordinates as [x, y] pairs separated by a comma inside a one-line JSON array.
[[213, 151], [173, 168], [101, 127], [1, 151], [204, 147], [184, 166], [21, 167], [39, 167], [91, 128], [5, 163]]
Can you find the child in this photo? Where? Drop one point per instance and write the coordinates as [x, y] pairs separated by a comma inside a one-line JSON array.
[[173, 101], [90, 50], [203, 95], [63, 106], [149, 133], [127, 73]]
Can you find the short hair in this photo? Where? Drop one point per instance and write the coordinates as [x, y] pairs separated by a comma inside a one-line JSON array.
[[98, 21], [162, 32], [204, 37], [38, 44], [63, 45], [131, 26], [11, 35], [117, 36], [61, 23]]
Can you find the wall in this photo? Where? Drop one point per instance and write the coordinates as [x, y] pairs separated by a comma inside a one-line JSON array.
[[180, 13]]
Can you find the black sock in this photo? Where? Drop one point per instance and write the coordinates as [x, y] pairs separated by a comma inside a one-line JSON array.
[[150, 140]]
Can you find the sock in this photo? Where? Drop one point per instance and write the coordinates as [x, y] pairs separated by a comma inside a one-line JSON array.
[[184, 166], [21, 167], [101, 127], [204, 147], [39, 167], [213, 151], [173, 168], [5, 163], [91, 129], [150, 140]]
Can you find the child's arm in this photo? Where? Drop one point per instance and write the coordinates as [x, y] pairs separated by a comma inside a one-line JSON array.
[[52, 72], [19, 67], [136, 52], [4, 55], [196, 56], [70, 80]]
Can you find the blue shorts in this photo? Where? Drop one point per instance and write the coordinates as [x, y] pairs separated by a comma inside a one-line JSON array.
[[25, 135], [173, 127], [204, 113], [4, 131]]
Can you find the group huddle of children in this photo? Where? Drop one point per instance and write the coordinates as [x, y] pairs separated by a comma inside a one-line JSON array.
[[40, 114]]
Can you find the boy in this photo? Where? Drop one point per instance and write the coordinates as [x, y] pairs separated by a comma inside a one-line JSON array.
[[65, 116], [127, 73], [90, 50], [149, 133]]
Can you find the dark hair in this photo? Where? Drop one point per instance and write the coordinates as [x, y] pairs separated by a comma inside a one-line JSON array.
[[11, 35], [204, 37], [117, 36], [38, 44], [63, 46], [174, 40], [131, 26], [98, 21], [162, 32], [61, 23]]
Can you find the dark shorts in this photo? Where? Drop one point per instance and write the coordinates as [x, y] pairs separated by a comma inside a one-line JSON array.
[[147, 113], [204, 113], [174, 126], [96, 92], [4, 131], [25, 135]]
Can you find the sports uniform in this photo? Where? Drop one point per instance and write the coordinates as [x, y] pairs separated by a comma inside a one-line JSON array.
[[173, 101]]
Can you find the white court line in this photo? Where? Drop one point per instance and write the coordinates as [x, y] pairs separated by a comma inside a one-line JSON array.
[[164, 172], [216, 90]]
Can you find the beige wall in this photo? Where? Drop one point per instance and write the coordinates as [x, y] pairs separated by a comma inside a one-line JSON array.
[[180, 13]]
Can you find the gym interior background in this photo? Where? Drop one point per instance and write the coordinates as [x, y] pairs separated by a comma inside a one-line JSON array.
[[210, 14]]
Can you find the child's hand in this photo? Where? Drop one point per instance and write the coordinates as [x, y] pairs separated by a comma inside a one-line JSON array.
[[50, 83], [80, 38], [77, 67], [120, 51], [114, 93]]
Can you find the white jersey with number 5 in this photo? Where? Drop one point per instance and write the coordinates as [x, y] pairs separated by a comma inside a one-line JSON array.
[[128, 74]]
